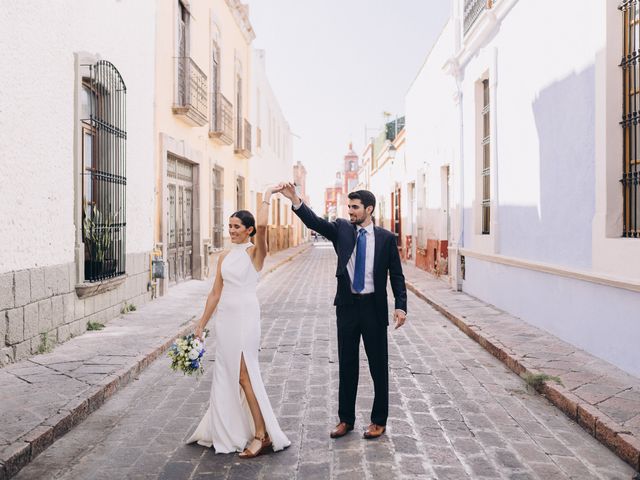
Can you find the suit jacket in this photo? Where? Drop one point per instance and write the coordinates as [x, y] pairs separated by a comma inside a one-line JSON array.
[[386, 260]]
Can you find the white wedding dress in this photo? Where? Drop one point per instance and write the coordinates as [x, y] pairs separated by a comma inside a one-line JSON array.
[[228, 425]]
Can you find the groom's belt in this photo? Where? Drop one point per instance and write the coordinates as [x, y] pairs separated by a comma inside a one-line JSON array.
[[362, 296]]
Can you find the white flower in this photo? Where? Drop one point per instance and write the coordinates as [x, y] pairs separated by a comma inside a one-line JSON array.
[[193, 354], [196, 345]]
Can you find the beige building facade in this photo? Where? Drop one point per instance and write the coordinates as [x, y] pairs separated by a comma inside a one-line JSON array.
[[202, 130]]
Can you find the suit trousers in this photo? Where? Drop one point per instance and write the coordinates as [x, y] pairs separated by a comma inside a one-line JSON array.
[[355, 320]]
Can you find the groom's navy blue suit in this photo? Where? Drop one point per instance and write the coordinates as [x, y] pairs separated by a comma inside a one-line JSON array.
[[362, 315]]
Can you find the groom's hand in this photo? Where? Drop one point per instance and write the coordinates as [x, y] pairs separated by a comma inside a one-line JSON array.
[[289, 191], [399, 317]]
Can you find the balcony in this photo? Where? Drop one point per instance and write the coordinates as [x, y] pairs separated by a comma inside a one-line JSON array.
[[243, 148], [222, 122], [191, 92], [472, 10]]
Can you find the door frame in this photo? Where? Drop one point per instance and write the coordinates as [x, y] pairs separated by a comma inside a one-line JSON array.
[[182, 150]]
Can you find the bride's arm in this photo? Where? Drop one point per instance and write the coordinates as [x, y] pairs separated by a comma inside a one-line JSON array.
[[262, 221], [212, 299]]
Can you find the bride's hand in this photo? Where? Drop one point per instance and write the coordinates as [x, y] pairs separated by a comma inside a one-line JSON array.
[[276, 188], [198, 332]]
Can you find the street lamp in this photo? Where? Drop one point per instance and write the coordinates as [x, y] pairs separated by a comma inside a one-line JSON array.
[[391, 152]]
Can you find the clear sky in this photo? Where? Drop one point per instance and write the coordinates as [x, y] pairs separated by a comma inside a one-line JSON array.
[[336, 65]]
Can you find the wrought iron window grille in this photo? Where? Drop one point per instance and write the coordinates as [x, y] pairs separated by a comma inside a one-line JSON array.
[[104, 167], [485, 144], [630, 117], [472, 11]]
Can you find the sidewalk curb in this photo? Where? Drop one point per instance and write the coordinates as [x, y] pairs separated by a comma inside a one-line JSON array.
[[605, 430], [17, 455]]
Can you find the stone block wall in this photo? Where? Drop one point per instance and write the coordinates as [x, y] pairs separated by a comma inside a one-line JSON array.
[[42, 303]]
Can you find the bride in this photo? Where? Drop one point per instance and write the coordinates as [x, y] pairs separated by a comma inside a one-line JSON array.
[[239, 417]]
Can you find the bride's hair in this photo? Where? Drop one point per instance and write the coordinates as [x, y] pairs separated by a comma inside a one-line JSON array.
[[247, 220]]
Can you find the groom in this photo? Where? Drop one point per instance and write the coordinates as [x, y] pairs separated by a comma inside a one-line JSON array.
[[366, 256]]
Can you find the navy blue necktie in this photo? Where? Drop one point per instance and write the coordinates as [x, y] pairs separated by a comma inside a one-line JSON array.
[[361, 256]]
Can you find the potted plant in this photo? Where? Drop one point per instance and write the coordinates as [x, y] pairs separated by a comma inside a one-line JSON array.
[[98, 238]]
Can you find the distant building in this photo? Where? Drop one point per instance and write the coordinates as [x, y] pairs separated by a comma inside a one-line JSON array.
[[333, 198], [347, 180], [272, 159], [301, 232]]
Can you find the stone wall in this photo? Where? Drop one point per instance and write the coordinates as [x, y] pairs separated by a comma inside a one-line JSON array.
[[41, 303]]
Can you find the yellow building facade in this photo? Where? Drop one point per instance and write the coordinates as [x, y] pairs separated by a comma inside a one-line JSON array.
[[203, 136]]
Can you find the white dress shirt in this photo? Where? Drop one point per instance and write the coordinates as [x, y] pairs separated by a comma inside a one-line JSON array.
[[368, 264]]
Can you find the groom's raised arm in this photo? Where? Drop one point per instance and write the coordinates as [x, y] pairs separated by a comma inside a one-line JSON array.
[[310, 219]]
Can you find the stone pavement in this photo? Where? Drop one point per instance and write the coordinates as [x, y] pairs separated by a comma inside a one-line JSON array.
[[456, 411], [599, 396], [44, 397]]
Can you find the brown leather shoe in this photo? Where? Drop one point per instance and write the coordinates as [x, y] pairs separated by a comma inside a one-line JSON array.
[[374, 431], [341, 430]]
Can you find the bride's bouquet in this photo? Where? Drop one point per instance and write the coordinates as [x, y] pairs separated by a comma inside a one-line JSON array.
[[186, 355]]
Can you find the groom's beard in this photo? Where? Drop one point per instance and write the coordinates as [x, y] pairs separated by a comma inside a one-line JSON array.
[[358, 221]]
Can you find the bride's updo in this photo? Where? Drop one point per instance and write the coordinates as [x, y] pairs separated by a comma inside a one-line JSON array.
[[247, 220]]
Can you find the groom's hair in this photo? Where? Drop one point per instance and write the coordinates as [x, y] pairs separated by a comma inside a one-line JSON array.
[[367, 198]]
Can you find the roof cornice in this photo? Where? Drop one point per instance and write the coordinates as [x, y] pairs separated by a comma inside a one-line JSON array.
[[241, 15]]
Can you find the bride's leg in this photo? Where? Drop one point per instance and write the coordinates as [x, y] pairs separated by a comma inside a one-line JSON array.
[[245, 383]]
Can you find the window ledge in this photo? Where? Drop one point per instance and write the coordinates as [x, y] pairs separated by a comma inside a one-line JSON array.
[[221, 137], [242, 152], [90, 289], [586, 276]]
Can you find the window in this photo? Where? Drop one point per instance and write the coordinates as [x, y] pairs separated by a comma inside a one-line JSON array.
[[217, 190], [486, 160], [396, 222], [631, 132], [183, 52], [240, 193], [103, 157], [239, 113], [215, 88]]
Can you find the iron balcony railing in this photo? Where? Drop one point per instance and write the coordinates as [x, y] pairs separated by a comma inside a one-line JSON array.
[[243, 147], [247, 136], [191, 91], [472, 10], [222, 124]]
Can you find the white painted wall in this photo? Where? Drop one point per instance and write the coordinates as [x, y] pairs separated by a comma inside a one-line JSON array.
[[432, 133], [545, 97], [545, 89], [599, 319], [273, 161], [38, 40]]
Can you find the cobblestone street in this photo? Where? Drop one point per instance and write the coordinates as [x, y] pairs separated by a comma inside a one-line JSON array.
[[455, 411]]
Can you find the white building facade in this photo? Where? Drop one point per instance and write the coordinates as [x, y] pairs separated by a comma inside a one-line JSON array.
[[272, 160], [543, 180], [432, 135], [76, 129]]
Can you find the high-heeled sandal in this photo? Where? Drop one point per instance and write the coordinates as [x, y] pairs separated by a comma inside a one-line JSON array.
[[265, 442]]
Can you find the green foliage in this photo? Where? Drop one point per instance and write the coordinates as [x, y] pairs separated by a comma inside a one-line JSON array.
[[537, 380], [128, 307], [45, 344], [97, 232], [94, 326]]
